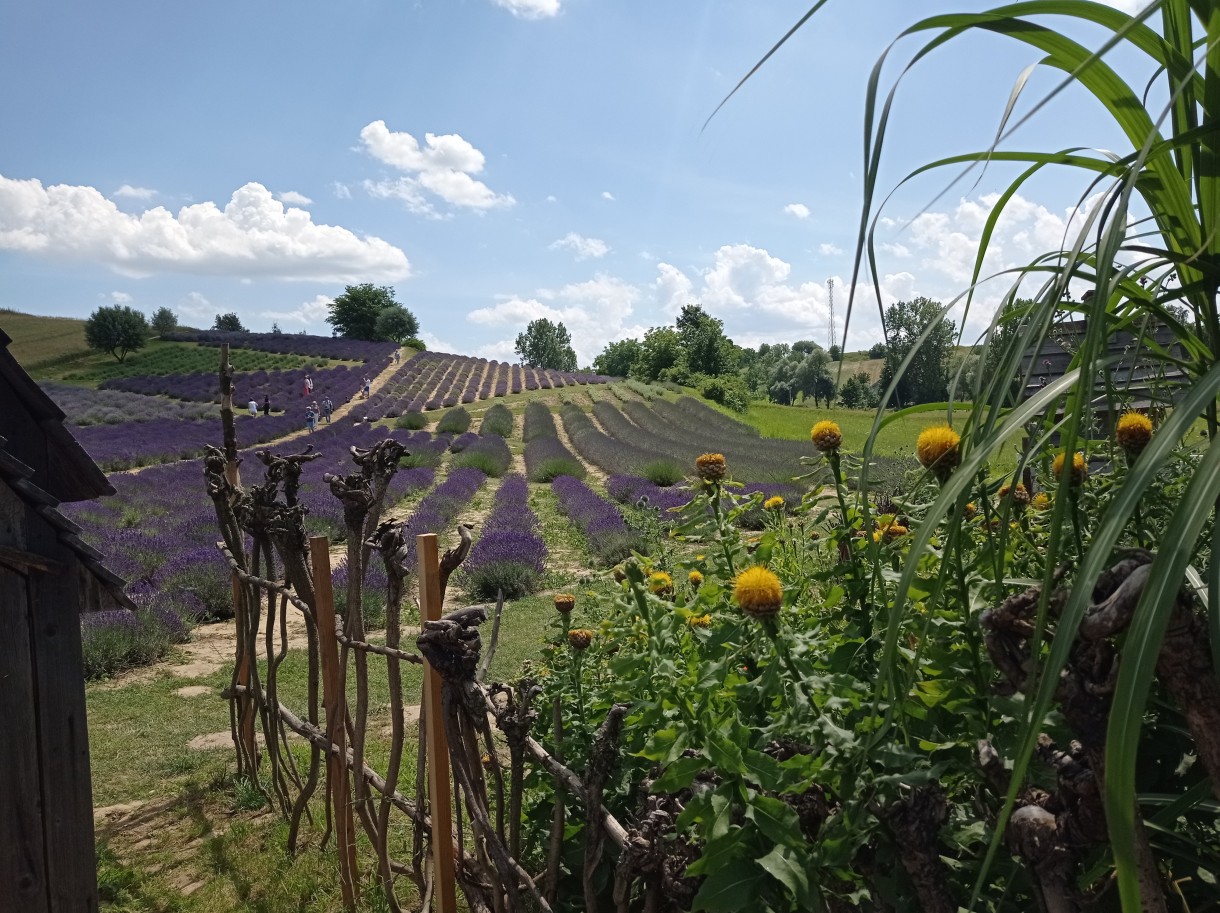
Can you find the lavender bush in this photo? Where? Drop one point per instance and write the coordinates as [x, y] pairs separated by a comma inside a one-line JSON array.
[[337, 347], [610, 539], [87, 406], [455, 421], [539, 422], [497, 420], [509, 556], [489, 454], [285, 388], [118, 639], [546, 458]]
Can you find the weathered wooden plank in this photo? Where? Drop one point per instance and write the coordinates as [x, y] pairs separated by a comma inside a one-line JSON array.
[[63, 738], [23, 883]]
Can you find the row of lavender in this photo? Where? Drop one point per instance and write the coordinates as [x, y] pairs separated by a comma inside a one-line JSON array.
[[159, 530], [436, 380], [509, 557], [609, 538], [546, 457], [375, 354], [284, 388], [161, 440], [87, 406]]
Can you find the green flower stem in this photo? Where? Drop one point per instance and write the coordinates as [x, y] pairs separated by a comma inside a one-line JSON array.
[[718, 515]]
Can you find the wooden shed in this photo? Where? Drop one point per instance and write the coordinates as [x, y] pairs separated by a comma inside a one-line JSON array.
[[48, 576]]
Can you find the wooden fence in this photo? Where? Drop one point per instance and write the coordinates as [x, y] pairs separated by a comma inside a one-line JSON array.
[[458, 825]]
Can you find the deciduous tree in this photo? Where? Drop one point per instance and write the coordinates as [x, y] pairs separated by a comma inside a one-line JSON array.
[[164, 321], [117, 329], [396, 324], [617, 358], [354, 313], [926, 379], [546, 345], [230, 323]]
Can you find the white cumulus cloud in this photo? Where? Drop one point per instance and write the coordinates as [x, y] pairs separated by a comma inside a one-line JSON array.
[[442, 167], [292, 198], [121, 298], [830, 250], [128, 192], [530, 9], [607, 195], [253, 236], [800, 210], [310, 312], [582, 247], [594, 312]]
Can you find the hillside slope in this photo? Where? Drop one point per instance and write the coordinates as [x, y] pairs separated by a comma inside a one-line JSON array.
[[41, 340]]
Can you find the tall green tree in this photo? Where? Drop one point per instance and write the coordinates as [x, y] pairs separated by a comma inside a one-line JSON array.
[[545, 344], [660, 355], [164, 321], [705, 348], [229, 323], [354, 313], [617, 358], [117, 329], [396, 324], [926, 379]]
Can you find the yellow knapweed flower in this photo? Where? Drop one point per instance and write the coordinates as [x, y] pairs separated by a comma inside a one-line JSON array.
[[580, 638], [757, 592], [1020, 495], [1080, 468], [660, 583], [711, 467], [938, 450], [826, 436], [1133, 433], [699, 621], [969, 511], [774, 503], [564, 603], [1041, 501], [695, 578]]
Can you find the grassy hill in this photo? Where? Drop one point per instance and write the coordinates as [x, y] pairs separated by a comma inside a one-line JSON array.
[[42, 341]]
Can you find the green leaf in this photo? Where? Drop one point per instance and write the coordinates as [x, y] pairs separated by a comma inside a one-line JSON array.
[[731, 888], [725, 754], [764, 770], [783, 865], [718, 853], [776, 820], [679, 775]]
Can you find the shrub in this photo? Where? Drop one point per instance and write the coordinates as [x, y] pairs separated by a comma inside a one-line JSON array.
[[119, 639], [727, 391], [539, 422], [497, 420], [412, 421], [489, 454], [610, 539], [663, 473], [510, 556], [455, 421], [546, 459], [462, 441]]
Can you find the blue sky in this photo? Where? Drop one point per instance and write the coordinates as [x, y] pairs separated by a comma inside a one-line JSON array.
[[496, 161]]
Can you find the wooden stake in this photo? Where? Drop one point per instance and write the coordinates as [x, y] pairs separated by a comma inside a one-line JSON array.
[[334, 700], [444, 897], [245, 704]]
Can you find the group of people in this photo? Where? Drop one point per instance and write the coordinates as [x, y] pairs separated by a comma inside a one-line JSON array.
[[315, 411]]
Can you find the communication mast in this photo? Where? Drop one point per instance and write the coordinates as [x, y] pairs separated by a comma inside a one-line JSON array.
[[830, 292]]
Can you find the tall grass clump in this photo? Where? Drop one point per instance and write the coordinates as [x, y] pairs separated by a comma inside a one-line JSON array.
[[455, 421], [497, 420]]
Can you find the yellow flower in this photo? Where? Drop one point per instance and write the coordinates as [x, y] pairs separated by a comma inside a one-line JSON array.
[[580, 638], [938, 450], [1041, 501], [758, 592], [1080, 468], [695, 578], [710, 467], [969, 511], [564, 603], [889, 530], [1020, 495], [660, 583], [1134, 431], [620, 573], [774, 503], [826, 436], [699, 621]]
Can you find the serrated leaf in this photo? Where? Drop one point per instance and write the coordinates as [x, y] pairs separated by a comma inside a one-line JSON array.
[[731, 888], [776, 820]]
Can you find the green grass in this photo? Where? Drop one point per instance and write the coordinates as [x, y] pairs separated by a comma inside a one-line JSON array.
[[43, 340], [91, 368]]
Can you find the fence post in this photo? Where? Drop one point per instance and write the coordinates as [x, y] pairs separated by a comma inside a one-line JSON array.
[[440, 803], [245, 702], [334, 701]]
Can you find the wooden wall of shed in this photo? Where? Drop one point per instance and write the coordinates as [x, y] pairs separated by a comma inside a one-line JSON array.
[[47, 860]]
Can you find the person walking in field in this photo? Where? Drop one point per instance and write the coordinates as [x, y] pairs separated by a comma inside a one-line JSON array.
[[311, 418], [305, 388], [267, 406], [328, 407], [367, 385], [253, 406]]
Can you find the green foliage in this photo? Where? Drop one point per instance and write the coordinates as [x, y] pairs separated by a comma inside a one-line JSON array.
[[663, 472], [396, 324], [858, 392], [412, 421], [355, 313], [729, 391], [544, 344], [617, 359], [877, 350], [164, 321], [229, 323], [497, 420], [117, 329], [455, 421], [110, 648], [660, 355], [919, 329], [550, 469], [705, 348]]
